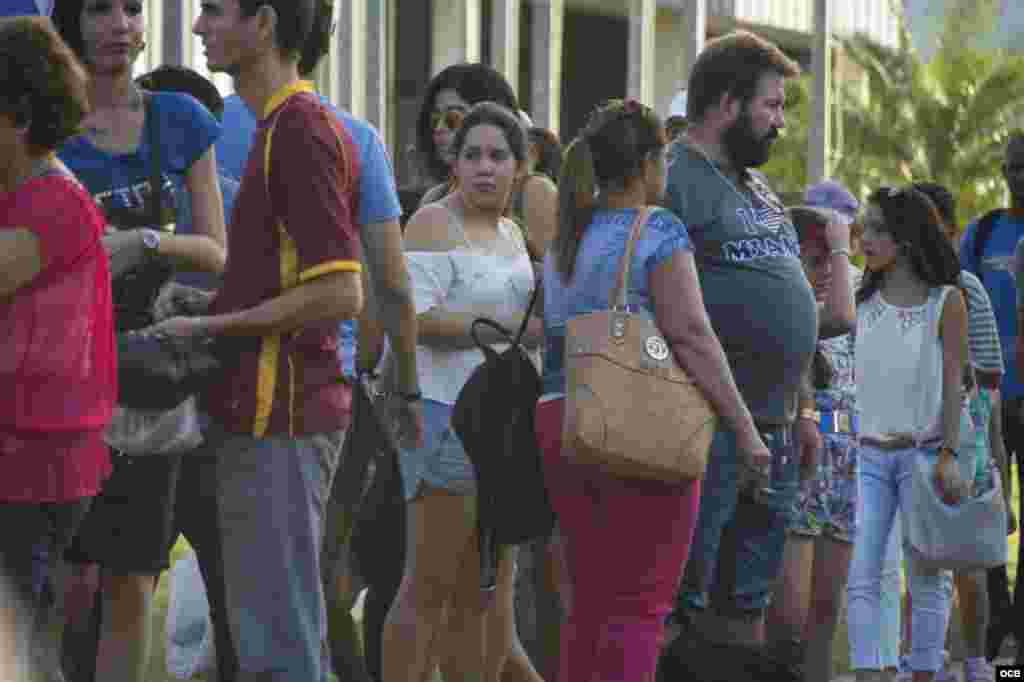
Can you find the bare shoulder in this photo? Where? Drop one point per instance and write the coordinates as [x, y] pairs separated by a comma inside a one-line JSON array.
[[540, 186], [429, 229]]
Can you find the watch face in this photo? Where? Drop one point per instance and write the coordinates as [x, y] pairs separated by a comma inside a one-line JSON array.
[[151, 240]]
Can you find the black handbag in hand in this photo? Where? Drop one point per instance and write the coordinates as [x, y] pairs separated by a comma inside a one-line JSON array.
[[494, 419], [158, 372]]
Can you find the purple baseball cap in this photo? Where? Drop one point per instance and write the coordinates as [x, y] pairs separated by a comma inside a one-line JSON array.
[[829, 194]]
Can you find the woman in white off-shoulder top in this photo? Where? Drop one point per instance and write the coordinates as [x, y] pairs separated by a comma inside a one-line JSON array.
[[466, 261]]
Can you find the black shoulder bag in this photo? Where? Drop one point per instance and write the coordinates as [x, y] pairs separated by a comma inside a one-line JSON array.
[[494, 419]]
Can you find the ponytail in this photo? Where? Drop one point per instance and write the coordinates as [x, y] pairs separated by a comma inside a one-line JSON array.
[[576, 202]]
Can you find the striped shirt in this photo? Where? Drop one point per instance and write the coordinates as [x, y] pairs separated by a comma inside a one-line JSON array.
[[982, 331]]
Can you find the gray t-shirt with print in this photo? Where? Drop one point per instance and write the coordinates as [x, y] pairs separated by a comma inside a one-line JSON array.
[[755, 291]]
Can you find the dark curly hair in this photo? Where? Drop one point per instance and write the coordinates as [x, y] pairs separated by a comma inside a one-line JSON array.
[[67, 17], [943, 199], [914, 223], [610, 151], [318, 43], [295, 19], [45, 86], [474, 83], [183, 79], [733, 64]]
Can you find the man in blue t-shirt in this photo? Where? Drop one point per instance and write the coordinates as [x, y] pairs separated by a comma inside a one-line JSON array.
[[991, 257]]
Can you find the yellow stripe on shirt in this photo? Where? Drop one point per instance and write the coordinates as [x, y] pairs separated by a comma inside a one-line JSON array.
[[329, 267]]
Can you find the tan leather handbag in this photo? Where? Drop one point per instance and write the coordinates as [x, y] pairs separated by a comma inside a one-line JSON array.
[[630, 408]]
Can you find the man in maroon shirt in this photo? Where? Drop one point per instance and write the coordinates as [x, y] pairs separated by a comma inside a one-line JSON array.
[[293, 272]]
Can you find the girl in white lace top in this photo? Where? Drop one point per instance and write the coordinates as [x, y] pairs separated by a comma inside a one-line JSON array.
[[911, 352]]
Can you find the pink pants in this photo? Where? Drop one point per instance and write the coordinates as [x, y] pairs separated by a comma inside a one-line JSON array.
[[626, 543]]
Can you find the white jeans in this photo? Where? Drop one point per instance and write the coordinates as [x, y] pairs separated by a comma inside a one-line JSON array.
[[885, 485]]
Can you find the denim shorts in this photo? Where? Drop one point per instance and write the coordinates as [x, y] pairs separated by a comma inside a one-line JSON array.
[[757, 527], [441, 462], [826, 504]]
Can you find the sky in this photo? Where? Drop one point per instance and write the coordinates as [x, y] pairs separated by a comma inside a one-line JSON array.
[[924, 19]]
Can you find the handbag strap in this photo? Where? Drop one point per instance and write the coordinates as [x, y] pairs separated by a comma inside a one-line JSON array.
[[617, 299], [526, 315], [156, 183]]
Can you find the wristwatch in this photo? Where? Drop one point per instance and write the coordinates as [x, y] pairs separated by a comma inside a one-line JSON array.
[[150, 242]]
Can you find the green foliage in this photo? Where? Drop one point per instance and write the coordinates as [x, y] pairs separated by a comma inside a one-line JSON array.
[[788, 165], [905, 120]]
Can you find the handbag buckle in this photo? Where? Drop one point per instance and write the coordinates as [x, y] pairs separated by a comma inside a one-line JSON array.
[[618, 325]]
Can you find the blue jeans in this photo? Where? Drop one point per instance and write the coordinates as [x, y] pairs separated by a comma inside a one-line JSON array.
[[891, 601], [758, 526], [885, 486], [271, 497]]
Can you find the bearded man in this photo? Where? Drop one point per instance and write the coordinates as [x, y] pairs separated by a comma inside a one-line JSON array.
[[764, 312]]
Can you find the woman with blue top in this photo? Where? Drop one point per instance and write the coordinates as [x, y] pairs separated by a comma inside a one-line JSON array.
[[137, 146], [625, 542]]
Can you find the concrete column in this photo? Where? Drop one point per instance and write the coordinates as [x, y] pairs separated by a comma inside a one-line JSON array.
[[640, 72], [546, 63], [344, 75], [505, 40], [820, 140], [174, 42], [456, 33], [679, 39], [377, 63]]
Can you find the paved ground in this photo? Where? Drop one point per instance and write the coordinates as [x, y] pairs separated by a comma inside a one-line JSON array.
[[957, 668], [1008, 651]]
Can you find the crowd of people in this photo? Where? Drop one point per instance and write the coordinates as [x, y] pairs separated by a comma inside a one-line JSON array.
[[269, 223]]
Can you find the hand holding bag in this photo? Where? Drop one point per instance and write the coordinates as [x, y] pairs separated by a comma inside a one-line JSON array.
[[630, 408], [966, 536]]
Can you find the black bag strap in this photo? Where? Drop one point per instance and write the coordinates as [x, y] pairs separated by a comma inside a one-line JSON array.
[[983, 232], [156, 180], [497, 326]]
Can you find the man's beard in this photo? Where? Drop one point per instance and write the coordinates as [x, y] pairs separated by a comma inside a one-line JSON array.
[[744, 147]]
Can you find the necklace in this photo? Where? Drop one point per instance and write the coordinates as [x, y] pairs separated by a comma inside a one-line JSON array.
[[135, 105], [756, 186], [695, 146]]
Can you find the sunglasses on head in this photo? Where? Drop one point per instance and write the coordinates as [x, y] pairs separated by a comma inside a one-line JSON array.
[[452, 119]]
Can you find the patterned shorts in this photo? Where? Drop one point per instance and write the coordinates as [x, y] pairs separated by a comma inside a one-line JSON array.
[[827, 502]]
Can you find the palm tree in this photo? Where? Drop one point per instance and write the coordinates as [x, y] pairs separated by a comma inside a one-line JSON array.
[[946, 120]]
